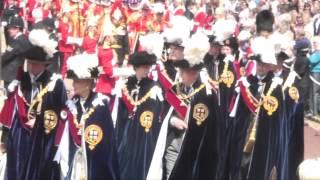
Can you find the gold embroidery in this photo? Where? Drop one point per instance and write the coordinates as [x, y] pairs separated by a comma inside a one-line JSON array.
[[141, 100], [294, 93], [200, 113], [93, 135], [227, 76], [50, 120], [184, 96], [146, 119], [270, 103]]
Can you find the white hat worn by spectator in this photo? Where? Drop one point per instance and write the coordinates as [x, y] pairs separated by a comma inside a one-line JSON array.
[[309, 169]]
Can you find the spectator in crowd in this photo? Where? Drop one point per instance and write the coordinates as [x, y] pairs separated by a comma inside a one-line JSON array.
[[11, 59], [315, 75], [8, 12], [302, 48]]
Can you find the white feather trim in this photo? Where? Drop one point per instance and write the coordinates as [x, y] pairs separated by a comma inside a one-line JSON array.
[[196, 48], [265, 48], [98, 101], [81, 64], [181, 28], [40, 38], [72, 106], [152, 43]]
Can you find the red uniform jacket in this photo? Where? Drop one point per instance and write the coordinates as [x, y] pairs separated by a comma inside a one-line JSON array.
[[64, 30], [105, 82], [89, 44]]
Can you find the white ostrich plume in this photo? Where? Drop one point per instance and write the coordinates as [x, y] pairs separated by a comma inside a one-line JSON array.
[[196, 48], [40, 38], [81, 64], [152, 43]]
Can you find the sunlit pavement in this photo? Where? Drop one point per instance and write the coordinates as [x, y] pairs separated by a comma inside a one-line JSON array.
[[311, 139]]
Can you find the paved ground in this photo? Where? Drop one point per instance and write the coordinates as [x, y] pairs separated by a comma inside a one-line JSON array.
[[311, 140]]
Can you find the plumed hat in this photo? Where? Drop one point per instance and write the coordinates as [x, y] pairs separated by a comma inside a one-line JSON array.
[[195, 49], [179, 33], [152, 43], [142, 58], [82, 66], [263, 50], [43, 48]]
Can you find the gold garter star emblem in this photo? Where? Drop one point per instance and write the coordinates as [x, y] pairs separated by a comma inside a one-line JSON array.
[[93, 135], [50, 120], [294, 93], [270, 103], [146, 119], [200, 113]]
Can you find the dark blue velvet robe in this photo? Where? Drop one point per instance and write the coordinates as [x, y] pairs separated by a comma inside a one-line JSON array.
[[199, 153], [102, 161], [19, 138], [226, 95], [135, 145], [43, 149], [239, 132], [270, 133], [293, 149]]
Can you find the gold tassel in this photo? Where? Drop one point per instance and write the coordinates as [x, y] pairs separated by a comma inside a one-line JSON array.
[[251, 139]]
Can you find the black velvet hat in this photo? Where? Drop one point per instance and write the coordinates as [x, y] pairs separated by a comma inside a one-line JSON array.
[[142, 58], [184, 64], [37, 54]]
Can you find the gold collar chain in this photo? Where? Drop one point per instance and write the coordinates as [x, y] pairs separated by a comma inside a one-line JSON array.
[[183, 96], [137, 102], [86, 116]]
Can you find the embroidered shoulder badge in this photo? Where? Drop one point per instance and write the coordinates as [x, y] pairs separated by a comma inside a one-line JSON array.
[[146, 119], [200, 113], [294, 93], [93, 135], [270, 103], [50, 120]]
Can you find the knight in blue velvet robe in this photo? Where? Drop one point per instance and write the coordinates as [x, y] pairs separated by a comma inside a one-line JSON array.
[[266, 157], [43, 149], [19, 136], [222, 70], [293, 141], [199, 152], [96, 154], [243, 113], [138, 124], [99, 138], [31, 153]]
